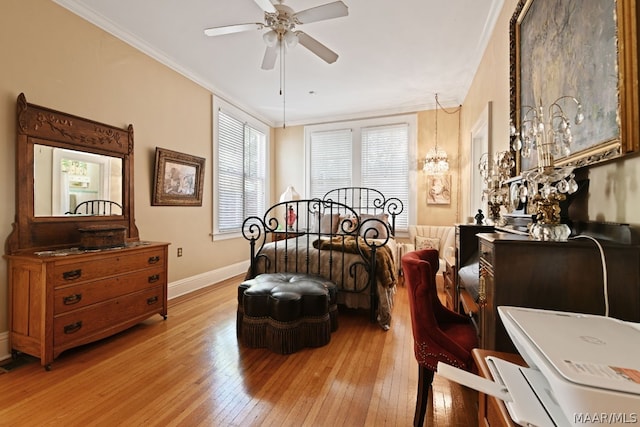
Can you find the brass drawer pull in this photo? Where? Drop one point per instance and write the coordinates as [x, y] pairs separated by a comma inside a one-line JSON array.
[[154, 259], [73, 328], [482, 292], [154, 278], [72, 275], [152, 300], [72, 299]]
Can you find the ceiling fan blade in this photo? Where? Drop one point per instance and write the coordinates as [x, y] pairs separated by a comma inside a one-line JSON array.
[[316, 47], [269, 59], [332, 10], [230, 29], [266, 5]]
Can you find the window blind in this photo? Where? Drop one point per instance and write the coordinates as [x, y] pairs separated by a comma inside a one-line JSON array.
[[331, 161], [241, 172], [372, 153], [385, 164]]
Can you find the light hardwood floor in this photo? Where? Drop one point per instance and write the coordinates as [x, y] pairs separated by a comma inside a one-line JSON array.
[[190, 371]]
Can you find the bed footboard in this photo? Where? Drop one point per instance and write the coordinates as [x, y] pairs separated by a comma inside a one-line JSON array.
[[327, 239]]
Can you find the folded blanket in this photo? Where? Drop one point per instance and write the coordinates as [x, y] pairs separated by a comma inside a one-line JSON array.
[[385, 267]]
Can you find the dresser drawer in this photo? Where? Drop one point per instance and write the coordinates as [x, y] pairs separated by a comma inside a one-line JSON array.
[[124, 262], [79, 324], [486, 252], [73, 297]]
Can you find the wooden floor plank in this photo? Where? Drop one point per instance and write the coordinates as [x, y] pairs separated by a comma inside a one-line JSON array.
[[190, 371]]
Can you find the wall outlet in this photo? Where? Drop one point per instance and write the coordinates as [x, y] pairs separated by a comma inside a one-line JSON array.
[[179, 252]]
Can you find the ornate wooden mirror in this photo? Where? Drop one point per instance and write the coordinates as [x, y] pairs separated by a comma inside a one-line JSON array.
[[63, 161]]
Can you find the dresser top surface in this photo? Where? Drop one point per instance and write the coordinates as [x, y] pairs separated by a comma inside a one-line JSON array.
[[59, 254]]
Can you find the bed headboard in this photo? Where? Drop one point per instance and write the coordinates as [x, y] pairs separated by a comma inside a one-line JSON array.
[[324, 238], [367, 201]]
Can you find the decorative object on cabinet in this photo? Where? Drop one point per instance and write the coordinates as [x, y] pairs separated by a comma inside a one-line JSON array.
[[63, 291], [178, 179], [439, 334], [495, 173], [548, 183], [555, 48]]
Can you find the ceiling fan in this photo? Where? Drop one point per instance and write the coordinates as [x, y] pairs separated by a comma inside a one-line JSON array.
[[281, 21]]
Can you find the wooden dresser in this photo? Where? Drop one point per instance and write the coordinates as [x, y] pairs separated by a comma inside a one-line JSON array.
[[60, 302], [566, 276], [75, 278]]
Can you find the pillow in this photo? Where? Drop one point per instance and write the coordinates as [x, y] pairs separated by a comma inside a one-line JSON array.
[[347, 224], [427, 243], [326, 223], [381, 227]]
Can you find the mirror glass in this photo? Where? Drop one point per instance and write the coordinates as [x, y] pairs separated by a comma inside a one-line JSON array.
[[64, 179]]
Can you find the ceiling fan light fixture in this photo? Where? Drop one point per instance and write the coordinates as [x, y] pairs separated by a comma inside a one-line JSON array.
[[291, 39], [270, 38]]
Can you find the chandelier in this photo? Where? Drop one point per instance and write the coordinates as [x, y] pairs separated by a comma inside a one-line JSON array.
[[436, 160], [547, 185]]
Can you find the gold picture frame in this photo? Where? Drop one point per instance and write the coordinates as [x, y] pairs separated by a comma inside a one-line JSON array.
[[597, 65], [178, 179]]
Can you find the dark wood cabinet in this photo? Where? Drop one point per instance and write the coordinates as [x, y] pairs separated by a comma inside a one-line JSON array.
[[566, 276], [467, 253]]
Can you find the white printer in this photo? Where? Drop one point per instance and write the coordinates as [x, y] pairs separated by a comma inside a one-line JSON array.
[[583, 369]]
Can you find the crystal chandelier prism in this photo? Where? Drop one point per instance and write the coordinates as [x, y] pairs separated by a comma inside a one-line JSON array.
[[436, 161]]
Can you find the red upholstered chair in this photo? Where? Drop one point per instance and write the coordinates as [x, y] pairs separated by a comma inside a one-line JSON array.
[[439, 334]]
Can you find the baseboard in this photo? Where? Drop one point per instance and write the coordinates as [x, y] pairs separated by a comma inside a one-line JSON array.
[[193, 283], [174, 289]]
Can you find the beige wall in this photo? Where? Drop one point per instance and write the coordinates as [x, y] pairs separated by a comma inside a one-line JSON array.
[[61, 61]]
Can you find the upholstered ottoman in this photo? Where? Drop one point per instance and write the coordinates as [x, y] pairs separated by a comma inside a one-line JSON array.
[[285, 312]]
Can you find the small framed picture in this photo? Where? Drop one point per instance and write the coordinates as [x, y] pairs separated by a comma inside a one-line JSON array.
[[178, 179], [439, 189]]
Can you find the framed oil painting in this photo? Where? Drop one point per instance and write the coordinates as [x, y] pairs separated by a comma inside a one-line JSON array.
[[439, 189], [582, 49], [178, 180]]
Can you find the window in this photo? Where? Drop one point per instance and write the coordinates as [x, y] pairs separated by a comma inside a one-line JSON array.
[[369, 153], [240, 177]]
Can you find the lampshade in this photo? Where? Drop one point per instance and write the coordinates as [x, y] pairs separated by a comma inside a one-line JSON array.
[[291, 39], [270, 38], [289, 194]]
